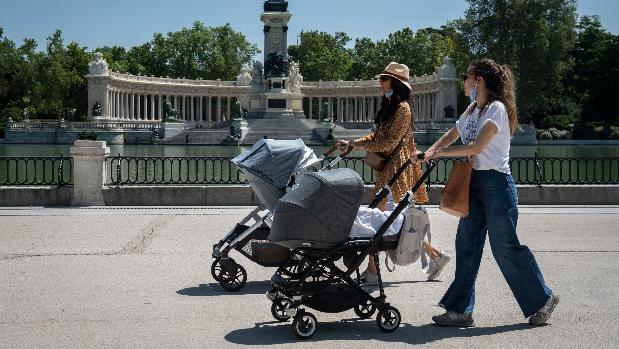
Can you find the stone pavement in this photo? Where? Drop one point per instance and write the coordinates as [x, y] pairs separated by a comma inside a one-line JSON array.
[[139, 277]]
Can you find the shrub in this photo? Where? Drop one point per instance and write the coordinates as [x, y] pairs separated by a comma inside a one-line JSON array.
[[90, 136], [543, 135], [560, 122], [559, 134]]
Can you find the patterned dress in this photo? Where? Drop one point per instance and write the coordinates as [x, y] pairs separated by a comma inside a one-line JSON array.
[[383, 141]]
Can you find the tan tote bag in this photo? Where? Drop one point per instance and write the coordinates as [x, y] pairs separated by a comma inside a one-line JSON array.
[[455, 195]]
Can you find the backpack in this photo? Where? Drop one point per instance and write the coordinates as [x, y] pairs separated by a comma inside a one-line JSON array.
[[410, 246]]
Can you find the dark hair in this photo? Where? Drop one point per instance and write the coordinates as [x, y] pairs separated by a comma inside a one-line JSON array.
[[500, 84], [388, 106]]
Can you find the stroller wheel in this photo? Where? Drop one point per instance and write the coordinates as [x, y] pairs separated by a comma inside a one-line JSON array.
[[216, 269], [233, 280], [365, 310], [304, 325], [389, 320], [278, 309]]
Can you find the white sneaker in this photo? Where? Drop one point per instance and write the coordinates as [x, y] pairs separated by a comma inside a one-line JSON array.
[[368, 279], [541, 316], [437, 265]]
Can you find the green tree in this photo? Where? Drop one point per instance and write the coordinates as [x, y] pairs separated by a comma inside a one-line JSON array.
[[366, 60], [61, 73], [422, 51], [594, 80], [533, 37], [322, 56], [192, 53]]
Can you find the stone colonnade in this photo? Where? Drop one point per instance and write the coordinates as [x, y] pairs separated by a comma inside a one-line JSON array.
[[131, 105], [358, 101], [142, 98]]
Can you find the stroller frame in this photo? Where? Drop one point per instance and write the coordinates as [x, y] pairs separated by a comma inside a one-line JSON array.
[[290, 295]]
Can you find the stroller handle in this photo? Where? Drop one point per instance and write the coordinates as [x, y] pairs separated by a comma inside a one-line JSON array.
[[402, 168], [337, 159], [330, 151], [334, 148]]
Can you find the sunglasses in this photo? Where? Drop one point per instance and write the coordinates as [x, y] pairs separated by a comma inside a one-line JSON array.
[[383, 78], [465, 76]]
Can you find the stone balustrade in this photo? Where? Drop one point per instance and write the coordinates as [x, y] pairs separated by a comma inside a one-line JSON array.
[[100, 124]]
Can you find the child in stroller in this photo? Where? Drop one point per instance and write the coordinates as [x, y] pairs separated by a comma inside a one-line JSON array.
[[315, 221]]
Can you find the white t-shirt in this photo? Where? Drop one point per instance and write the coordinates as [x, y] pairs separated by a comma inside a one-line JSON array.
[[495, 155]]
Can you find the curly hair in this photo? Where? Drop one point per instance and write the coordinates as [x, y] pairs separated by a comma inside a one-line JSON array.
[[501, 86], [388, 106]]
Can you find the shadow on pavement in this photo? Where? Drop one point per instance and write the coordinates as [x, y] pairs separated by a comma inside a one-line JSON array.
[[215, 289], [270, 333], [251, 287]]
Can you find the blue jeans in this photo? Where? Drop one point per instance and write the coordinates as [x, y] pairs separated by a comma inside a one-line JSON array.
[[493, 208]]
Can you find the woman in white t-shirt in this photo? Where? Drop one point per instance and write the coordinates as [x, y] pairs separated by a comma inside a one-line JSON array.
[[485, 129]]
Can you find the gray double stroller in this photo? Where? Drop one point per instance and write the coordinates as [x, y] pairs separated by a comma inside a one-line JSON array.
[[314, 221], [271, 167]]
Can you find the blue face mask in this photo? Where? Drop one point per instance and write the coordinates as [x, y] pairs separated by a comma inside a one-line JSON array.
[[473, 95], [389, 93]]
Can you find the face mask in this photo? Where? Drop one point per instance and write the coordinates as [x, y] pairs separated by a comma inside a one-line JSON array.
[[473, 95], [389, 93]]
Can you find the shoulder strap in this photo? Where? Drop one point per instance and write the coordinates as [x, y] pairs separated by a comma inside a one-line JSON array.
[[397, 148]]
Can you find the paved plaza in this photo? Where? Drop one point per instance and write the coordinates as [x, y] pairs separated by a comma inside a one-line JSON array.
[[139, 277]]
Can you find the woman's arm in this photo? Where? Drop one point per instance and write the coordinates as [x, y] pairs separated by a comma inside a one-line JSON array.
[[485, 136], [446, 139]]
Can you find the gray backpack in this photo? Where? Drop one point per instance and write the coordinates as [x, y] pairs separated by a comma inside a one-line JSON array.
[[410, 246]]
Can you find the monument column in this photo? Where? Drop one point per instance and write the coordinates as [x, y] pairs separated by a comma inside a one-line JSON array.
[[160, 111], [218, 108], [209, 107], [131, 106], [191, 112], [98, 85]]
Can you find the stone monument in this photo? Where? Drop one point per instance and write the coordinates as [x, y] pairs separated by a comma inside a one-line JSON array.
[[275, 94]]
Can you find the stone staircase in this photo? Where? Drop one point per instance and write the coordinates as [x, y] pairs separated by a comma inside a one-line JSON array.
[[307, 130]]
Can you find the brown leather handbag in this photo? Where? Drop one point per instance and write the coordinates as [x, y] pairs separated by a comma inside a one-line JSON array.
[[455, 195], [378, 162], [375, 161]]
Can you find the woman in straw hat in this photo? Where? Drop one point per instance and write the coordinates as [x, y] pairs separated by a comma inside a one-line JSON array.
[[394, 134]]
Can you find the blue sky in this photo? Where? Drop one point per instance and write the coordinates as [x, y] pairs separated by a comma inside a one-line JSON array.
[[133, 22]]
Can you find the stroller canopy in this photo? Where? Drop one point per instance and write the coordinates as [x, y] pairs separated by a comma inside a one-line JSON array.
[[320, 211], [269, 164]]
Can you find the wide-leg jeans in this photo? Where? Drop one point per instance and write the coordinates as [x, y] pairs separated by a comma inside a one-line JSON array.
[[493, 209]]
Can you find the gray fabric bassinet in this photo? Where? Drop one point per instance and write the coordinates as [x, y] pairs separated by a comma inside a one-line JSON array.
[[320, 212]]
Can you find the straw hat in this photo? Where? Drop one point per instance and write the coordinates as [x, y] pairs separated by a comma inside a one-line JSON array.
[[397, 71]]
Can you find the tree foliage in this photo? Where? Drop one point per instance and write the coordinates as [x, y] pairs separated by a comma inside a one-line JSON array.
[[594, 79], [50, 83], [192, 53], [322, 56], [533, 37]]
